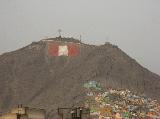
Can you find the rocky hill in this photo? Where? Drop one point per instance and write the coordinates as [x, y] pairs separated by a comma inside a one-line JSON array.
[[31, 77]]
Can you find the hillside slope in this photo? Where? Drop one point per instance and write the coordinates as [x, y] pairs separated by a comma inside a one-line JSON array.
[[29, 76]]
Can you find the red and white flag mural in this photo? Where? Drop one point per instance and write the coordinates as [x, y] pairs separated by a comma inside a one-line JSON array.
[[69, 49]]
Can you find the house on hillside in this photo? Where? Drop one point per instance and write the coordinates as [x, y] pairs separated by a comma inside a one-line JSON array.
[[24, 113]]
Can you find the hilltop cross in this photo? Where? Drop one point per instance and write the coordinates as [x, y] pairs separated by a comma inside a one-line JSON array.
[[59, 31]]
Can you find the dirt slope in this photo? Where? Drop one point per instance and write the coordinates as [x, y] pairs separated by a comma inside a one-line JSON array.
[[29, 76]]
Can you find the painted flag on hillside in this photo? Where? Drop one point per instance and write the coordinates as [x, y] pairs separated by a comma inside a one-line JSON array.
[[73, 49], [53, 49], [63, 50], [69, 49]]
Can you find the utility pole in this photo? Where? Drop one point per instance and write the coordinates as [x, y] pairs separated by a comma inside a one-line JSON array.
[[107, 38], [80, 38], [121, 83]]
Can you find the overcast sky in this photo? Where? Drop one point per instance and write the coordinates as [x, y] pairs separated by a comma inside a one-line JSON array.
[[133, 25]]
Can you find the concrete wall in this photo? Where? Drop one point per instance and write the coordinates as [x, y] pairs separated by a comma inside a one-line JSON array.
[[23, 117], [35, 113], [24, 113], [9, 116], [18, 110]]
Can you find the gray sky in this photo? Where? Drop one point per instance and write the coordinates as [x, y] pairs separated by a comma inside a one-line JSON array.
[[133, 25]]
